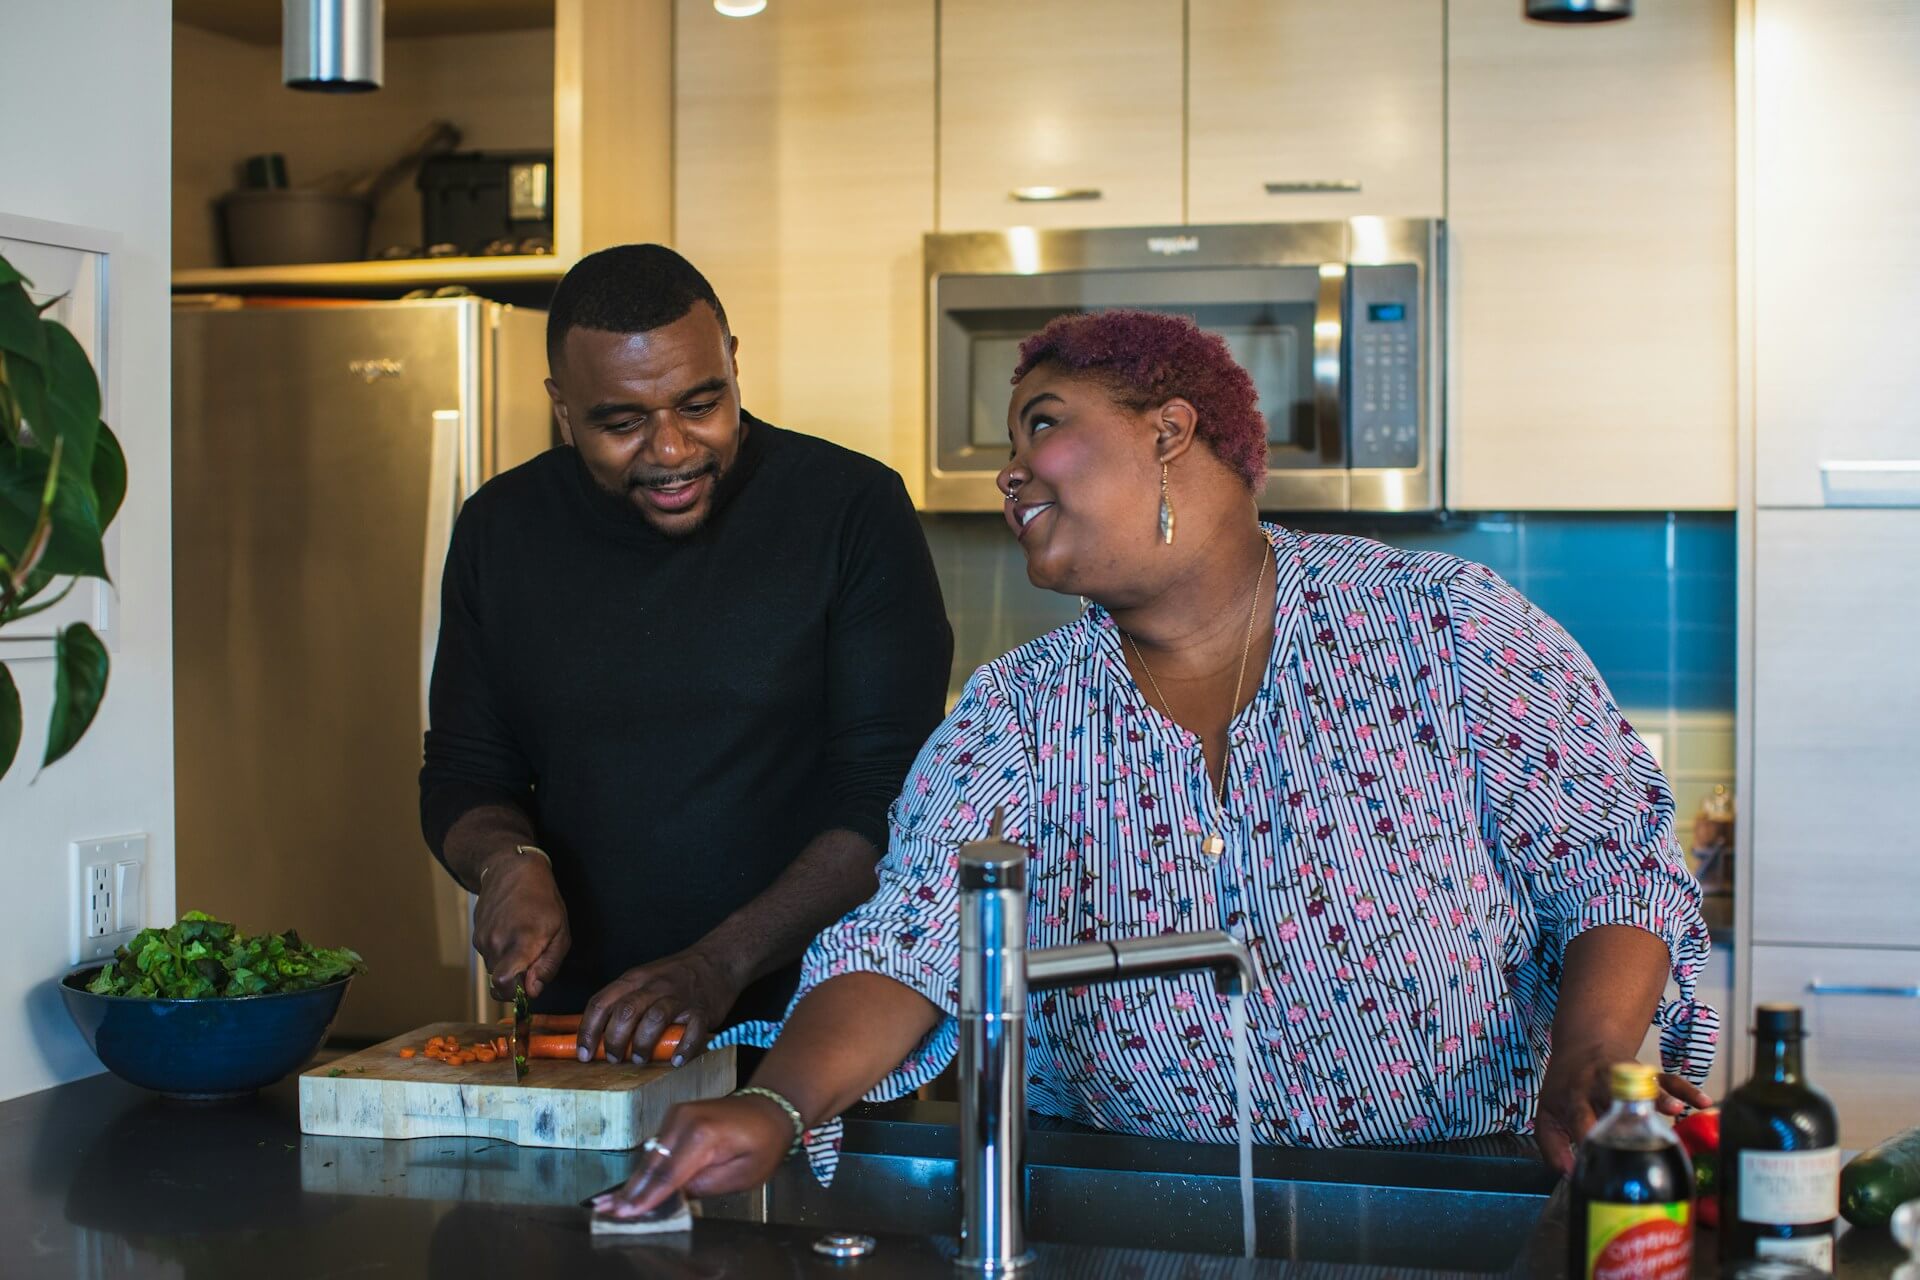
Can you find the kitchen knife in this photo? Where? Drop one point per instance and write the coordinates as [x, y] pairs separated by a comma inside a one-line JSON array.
[[522, 1032]]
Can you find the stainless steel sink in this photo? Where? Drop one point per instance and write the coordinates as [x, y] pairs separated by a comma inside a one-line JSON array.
[[1468, 1207]]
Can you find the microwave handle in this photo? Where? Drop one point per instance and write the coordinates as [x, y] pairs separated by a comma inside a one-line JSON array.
[[1329, 430]]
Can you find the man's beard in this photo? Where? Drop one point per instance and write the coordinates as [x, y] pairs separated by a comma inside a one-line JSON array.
[[624, 497]]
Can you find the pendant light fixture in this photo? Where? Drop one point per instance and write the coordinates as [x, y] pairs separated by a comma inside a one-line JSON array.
[[1579, 10], [738, 8], [333, 46]]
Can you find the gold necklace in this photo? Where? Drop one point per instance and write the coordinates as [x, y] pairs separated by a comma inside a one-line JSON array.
[[1215, 844]]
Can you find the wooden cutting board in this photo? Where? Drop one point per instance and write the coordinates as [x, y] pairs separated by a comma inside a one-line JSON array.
[[591, 1106]]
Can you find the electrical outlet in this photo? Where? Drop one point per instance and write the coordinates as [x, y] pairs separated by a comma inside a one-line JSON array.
[[109, 882]]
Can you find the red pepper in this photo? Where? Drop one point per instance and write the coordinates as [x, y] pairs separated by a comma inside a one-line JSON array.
[[1699, 1132]]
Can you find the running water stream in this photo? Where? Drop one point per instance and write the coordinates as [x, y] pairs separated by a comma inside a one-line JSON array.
[[1243, 1105]]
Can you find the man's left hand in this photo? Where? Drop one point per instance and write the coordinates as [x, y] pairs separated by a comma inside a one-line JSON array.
[[1575, 1093], [693, 987]]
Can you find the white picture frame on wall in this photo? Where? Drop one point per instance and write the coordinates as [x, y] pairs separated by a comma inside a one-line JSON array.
[[75, 266]]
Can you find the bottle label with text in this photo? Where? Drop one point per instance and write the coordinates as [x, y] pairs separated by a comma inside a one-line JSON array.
[[1639, 1241], [1813, 1251], [1790, 1188]]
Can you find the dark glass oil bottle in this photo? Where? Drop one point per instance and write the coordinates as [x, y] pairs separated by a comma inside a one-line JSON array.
[[1779, 1153], [1632, 1215]]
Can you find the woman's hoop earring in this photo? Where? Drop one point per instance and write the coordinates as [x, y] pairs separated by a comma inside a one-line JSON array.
[[1166, 510]]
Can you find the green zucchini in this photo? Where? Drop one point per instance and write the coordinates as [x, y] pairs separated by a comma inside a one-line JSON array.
[[1876, 1182]]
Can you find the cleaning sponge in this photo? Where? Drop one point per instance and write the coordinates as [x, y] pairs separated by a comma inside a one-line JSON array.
[[670, 1215]]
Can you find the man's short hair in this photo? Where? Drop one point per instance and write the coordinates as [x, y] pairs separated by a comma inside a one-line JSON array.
[[630, 288]]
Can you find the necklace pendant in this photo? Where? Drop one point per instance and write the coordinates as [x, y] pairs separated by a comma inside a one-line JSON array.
[[1213, 846]]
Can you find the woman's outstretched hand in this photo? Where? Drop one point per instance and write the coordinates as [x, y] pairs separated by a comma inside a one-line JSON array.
[[1575, 1094], [705, 1149]]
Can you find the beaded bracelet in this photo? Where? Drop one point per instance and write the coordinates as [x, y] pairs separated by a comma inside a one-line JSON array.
[[793, 1112]]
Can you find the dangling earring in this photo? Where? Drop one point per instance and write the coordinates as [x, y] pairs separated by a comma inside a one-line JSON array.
[[1166, 510]]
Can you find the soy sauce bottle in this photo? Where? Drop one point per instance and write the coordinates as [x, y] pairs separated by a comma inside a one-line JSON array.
[[1779, 1153], [1632, 1216]]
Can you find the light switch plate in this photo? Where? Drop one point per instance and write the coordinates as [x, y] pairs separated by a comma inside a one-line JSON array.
[[109, 883]]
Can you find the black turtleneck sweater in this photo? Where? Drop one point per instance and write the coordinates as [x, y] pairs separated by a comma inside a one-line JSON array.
[[679, 717]]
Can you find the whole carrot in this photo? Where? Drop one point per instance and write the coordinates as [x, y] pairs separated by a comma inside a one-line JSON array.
[[560, 1047]]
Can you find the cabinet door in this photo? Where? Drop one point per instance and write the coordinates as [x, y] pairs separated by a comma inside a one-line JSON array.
[[1591, 248], [1836, 857], [1060, 94], [803, 184], [1289, 105], [1863, 1020], [1836, 263]]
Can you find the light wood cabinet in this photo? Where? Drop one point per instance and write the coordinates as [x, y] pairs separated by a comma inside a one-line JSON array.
[[1591, 252], [1836, 857], [1862, 1010], [1060, 94], [803, 182], [1837, 266], [1310, 93]]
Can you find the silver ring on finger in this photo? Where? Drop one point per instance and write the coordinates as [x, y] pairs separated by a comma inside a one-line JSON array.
[[655, 1147]]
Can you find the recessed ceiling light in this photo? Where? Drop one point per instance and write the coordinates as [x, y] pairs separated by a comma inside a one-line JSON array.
[[738, 8]]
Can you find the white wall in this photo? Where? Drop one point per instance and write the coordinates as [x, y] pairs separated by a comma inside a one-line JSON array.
[[229, 103], [85, 89]]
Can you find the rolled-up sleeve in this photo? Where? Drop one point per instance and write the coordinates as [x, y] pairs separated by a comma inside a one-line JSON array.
[[890, 650], [978, 763], [1573, 800]]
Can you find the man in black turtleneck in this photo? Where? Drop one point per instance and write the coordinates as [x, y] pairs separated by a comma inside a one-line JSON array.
[[684, 666]]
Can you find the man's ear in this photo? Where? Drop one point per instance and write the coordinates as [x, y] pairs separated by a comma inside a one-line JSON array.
[[560, 411], [1174, 424]]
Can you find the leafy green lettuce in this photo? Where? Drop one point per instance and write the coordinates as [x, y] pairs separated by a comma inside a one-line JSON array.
[[201, 958]]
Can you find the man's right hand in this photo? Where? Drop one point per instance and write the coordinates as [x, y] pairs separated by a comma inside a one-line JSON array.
[[520, 923]]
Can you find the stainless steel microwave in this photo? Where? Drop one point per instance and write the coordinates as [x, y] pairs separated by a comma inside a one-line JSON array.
[[1338, 322]]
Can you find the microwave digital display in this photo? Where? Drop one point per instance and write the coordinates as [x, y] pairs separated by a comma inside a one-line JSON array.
[[1387, 312]]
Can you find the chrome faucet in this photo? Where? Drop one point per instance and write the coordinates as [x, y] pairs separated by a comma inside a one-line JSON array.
[[996, 973]]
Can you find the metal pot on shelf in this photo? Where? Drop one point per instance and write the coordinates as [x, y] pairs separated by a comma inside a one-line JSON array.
[[270, 226]]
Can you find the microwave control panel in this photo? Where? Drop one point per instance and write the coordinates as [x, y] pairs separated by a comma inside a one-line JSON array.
[[1383, 333]]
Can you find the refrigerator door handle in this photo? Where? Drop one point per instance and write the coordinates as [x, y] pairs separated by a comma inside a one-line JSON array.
[[447, 488]]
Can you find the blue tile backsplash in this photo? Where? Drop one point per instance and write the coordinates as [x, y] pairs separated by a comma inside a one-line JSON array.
[[1649, 595]]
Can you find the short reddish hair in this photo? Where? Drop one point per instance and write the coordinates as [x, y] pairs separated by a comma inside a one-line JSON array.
[[1147, 358]]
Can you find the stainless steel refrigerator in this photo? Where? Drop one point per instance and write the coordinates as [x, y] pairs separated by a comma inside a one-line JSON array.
[[320, 455]]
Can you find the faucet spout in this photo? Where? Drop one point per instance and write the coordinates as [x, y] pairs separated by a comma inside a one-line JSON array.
[[996, 972], [1089, 963]]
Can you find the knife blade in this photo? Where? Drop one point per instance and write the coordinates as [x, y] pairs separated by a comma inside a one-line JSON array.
[[522, 1032]]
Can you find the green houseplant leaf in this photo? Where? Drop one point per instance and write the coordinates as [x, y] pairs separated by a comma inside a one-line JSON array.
[[9, 721], [63, 477], [109, 476], [79, 682], [20, 329], [75, 545], [73, 403]]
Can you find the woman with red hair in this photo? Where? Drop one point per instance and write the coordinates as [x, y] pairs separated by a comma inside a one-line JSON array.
[[1401, 785]]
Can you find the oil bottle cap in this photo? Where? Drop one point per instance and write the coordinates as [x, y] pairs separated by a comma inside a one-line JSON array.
[[1634, 1082], [1777, 1022]]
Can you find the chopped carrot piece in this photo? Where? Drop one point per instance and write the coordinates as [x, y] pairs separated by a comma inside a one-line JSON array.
[[484, 1055], [500, 1045], [406, 1053]]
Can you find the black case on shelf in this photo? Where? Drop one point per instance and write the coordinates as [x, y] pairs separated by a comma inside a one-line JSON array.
[[470, 199]]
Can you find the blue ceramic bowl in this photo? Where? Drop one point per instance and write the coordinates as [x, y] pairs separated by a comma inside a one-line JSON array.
[[216, 1048]]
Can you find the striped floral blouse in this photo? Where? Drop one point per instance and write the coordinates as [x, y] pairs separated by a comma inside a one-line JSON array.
[[1430, 794]]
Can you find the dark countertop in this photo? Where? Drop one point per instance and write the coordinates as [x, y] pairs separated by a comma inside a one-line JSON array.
[[99, 1179]]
